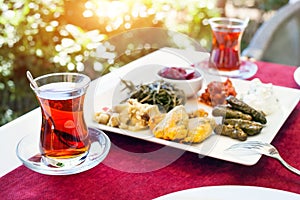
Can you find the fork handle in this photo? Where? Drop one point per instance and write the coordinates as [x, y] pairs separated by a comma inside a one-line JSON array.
[[293, 169]]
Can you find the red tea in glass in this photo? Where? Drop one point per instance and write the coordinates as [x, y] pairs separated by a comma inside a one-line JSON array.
[[227, 34], [64, 138]]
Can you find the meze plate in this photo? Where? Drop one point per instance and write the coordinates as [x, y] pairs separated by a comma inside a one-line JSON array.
[[106, 93]]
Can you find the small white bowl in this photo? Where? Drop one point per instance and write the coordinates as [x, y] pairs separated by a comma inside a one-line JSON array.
[[190, 86]]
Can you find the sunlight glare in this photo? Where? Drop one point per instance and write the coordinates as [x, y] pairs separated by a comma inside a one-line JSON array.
[[88, 5], [54, 23], [127, 25], [79, 66], [49, 28], [71, 66], [98, 66], [87, 13], [66, 42], [79, 58]]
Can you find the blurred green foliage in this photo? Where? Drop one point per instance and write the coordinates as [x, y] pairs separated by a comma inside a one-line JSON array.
[[90, 36], [75, 35]]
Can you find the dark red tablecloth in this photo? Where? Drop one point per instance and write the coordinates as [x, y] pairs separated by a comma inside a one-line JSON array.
[[136, 181]]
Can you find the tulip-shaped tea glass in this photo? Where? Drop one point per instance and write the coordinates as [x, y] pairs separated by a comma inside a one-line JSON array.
[[64, 138], [226, 46]]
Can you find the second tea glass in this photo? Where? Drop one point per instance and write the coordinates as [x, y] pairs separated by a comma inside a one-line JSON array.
[[226, 43]]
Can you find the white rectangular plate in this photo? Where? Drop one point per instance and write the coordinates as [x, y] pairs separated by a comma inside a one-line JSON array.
[[105, 92]]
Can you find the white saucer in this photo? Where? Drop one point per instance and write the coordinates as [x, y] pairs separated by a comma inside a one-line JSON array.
[[28, 152], [247, 70], [297, 75]]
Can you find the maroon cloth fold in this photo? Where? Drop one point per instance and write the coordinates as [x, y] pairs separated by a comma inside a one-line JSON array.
[[131, 176], [278, 74]]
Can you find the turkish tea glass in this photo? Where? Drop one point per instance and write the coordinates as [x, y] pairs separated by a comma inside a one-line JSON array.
[[226, 43], [64, 138]]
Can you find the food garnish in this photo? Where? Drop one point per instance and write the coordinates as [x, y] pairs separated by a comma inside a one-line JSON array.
[[158, 92], [217, 92]]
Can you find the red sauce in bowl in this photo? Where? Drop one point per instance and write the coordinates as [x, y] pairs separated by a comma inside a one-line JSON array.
[[178, 73]]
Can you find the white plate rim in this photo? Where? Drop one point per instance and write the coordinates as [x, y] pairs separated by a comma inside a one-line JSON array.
[[235, 192]]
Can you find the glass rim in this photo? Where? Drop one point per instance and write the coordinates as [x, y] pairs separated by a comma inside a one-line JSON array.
[[84, 83], [229, 22]]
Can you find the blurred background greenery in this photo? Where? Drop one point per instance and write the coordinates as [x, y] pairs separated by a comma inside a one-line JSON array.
[[85, 36]]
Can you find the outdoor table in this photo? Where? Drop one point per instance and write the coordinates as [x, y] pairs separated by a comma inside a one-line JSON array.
[[189, 171]]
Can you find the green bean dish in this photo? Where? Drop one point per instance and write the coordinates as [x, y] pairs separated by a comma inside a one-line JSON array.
[[158, 92]]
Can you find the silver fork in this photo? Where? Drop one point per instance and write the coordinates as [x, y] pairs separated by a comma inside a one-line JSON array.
[[262, 148]]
